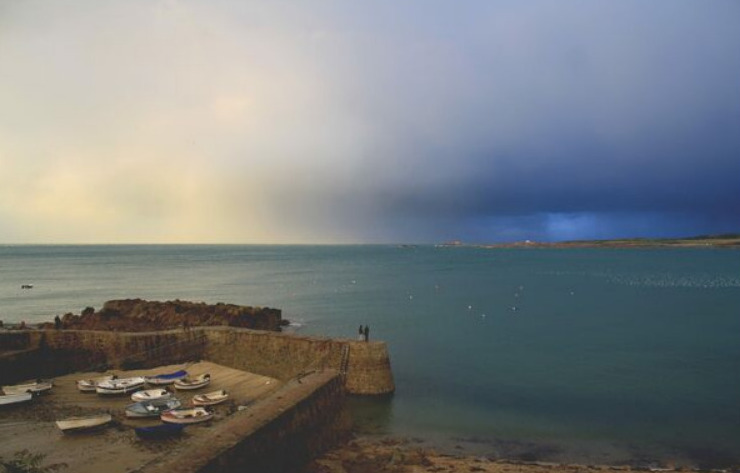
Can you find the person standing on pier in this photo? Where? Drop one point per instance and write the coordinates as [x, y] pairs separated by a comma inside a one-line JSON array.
[[367, 332], [361, 333]]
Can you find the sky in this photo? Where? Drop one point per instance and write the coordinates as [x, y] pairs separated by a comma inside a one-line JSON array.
[[326, 121]]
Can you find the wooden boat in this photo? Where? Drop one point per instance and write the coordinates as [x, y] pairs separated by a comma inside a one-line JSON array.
[[167, 378], [80, 424], [210, 399], [194, 382], [160, 431], [151, 395], [38, 387], [120, 385], [9, 399], [193, 415], [151, 408], [89, 385]]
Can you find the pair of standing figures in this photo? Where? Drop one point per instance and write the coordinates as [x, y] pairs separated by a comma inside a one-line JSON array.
[[364, 333]]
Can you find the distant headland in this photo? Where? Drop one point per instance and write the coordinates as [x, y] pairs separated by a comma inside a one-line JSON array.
[[729, 240]]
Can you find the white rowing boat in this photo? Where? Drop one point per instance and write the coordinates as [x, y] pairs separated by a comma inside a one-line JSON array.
[[9, 399], [151, 395], [120, 385], [210, 399], [79, 424], [194, 382], [187, 416], [89, 385], [36, 388]]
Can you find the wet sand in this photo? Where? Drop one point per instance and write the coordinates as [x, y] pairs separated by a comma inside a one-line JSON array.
[[116, 448]]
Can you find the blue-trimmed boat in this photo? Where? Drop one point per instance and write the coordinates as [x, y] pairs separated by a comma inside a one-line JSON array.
[[161, 431], [151, 408], [166, 378]]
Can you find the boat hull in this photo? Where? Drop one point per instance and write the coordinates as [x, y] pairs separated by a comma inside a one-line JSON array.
[[10, 399], [36, 388], [120, 386], [159, 431], [89, 385], [166, 379], [151, 395], [151, 408], [210, 399], [83, 424], [193, 383], [195, 415]]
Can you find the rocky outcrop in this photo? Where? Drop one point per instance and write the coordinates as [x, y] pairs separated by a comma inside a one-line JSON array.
[[138, 315]]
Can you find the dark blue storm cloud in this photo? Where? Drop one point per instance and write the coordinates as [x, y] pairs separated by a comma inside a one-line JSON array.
[[508, 120]]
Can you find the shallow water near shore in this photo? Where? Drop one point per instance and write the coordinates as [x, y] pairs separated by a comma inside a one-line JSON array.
[[587, 355]]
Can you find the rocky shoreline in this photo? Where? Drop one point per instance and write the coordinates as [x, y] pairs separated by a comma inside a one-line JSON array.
[[371, 455]]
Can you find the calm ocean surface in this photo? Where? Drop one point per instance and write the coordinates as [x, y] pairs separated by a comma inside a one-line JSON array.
[[562, 355]]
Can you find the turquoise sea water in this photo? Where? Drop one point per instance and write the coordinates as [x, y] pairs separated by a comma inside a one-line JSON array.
[[622, 356]]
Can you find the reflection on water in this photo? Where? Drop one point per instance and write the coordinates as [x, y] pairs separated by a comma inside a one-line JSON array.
[[371, 415]]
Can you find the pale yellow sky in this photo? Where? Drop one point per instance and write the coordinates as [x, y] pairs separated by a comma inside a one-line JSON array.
[[158, 122]]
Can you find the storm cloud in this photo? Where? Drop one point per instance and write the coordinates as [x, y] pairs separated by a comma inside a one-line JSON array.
[[334, 122]]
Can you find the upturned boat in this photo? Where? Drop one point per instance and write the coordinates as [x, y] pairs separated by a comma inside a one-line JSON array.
[[151, 408], [10, 399], [193, 415], [89, 385], [166, 378], [81, 424], [37, 387], [194, 382], [210, 399], [120, 385], [151, 395], [160, 431]]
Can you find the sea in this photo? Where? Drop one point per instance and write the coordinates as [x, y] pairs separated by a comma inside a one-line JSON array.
[[609, 356]]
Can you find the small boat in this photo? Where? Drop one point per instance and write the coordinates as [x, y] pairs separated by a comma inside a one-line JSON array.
[[120, 385], [79, 424], [194, 382], [26, 286], [89, 385], [151, 408], [193, 415], [151, 395], [167, 378], [210, 399], [38, 387], [9, 399], [160, 431]]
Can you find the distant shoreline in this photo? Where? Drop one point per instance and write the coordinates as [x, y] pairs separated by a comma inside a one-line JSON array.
[[705, 241]]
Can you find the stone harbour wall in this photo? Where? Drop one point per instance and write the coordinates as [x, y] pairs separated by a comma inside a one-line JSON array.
[[279, 434], [49, 353], [364, 366]]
